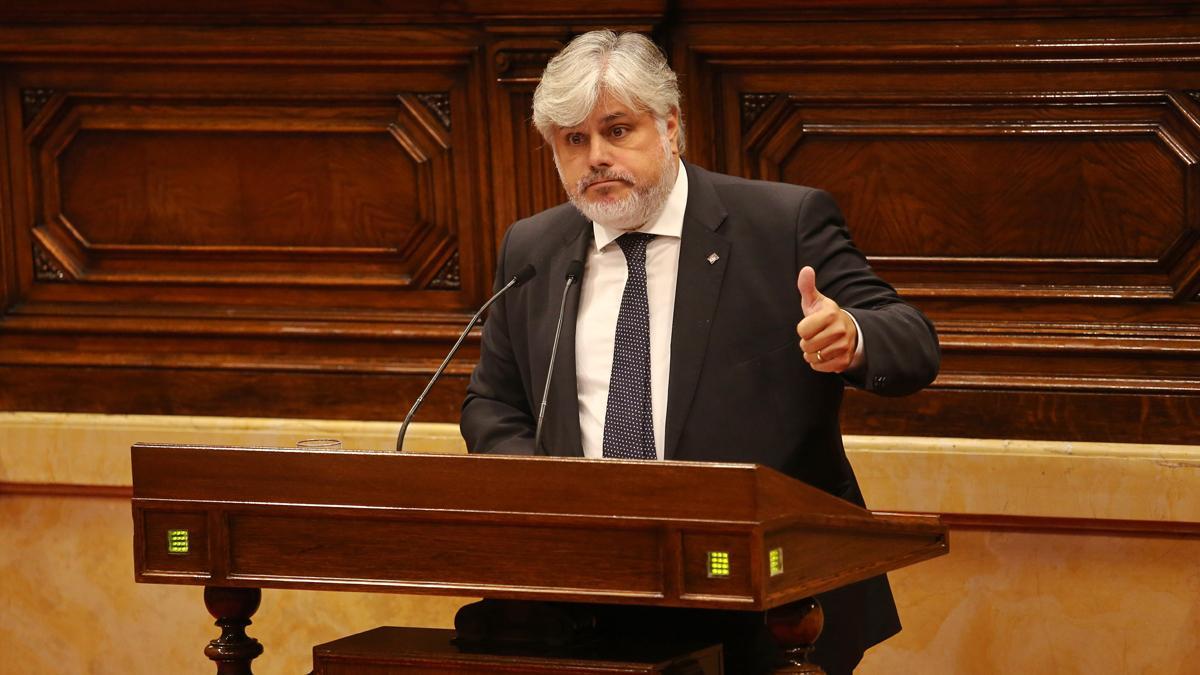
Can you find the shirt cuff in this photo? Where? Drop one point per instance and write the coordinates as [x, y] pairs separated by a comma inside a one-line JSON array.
[[860, 356]]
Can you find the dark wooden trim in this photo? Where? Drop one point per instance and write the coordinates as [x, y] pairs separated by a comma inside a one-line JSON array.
[[13, 489], [1024, 414], [362, 12], [1076, 526]]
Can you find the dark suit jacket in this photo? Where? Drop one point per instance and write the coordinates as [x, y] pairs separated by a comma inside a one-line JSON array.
[[739, 388]]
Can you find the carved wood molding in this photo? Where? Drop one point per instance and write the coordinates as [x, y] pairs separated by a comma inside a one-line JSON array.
[[447, 278], [820, 48], [915, 10], [439, 105], [88, 138], [1159, 126], [521, 65], [32, 102], [753, 105], [46, 266], [1127, 417]]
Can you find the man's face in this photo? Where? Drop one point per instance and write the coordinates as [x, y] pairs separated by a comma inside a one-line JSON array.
[[616, 166]]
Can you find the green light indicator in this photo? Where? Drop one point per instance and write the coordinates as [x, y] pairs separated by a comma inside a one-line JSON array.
[[775, 561], [718, 564], [177, 542]]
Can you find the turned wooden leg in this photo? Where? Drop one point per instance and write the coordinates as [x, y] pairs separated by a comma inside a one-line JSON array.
[[232, 608], [796, 627]]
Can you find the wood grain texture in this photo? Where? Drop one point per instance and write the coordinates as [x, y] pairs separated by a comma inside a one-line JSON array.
[[1034, 195], [514, 527], [285, 209], [59, 490]]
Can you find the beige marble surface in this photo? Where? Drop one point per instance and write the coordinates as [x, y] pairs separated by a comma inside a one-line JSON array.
[[1027, 478], [1050, 479], [83, 449], [1011, 602], [69, 605]]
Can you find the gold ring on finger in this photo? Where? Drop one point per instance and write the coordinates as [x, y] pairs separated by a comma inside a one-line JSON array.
[[819, 357]]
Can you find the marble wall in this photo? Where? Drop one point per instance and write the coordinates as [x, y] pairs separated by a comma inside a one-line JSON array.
[[1065, 558]]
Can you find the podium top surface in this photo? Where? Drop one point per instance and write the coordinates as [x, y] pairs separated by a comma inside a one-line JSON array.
[[663, 490]]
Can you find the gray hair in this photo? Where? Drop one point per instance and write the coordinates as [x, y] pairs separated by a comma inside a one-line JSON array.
[[628, 66]]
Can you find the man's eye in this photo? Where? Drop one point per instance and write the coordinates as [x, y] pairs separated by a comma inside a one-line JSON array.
[[618, 132], [574, 139]]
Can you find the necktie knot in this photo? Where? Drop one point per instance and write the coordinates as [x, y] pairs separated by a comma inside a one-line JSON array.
[[634, 246]]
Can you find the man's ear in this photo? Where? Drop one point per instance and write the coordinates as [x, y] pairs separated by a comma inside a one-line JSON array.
[[673, 129]]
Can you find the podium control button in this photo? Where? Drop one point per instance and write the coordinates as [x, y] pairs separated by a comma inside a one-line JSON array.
[[718, 564], [177, 542], [775, 561]]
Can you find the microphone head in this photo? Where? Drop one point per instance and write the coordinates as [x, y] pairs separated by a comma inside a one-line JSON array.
[[575, 269], [525, 274]]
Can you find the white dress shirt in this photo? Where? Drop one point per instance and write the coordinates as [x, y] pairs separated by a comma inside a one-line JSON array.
[[604, 278]]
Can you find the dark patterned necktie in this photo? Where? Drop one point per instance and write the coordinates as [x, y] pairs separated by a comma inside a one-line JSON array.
[[629, 420]]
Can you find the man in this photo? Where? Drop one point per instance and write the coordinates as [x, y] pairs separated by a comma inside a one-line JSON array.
[[717, 320]]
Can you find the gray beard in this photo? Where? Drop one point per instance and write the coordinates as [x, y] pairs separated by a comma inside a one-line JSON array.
[[642, 205]]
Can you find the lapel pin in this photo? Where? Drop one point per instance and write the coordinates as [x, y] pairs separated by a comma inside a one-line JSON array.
[[713, 258]]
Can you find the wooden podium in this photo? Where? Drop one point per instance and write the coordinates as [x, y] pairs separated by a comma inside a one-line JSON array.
[[673, 534]]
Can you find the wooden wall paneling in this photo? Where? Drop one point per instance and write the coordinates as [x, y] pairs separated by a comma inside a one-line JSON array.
[[131, 190], [1031, 413], [1182, 134], [972, 182], [18, 108], [1037, 203], [701, 110], [247, 216], [9, 274], [525, 179], [180, 231], [335, 391], [349, 12], [473, 230], [883, 11]]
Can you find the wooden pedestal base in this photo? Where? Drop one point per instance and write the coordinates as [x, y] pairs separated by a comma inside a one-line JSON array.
[[232, 608], [425, 651], [796, 628]]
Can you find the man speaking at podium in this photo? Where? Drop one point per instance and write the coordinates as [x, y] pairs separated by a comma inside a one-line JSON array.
[[717, 319]]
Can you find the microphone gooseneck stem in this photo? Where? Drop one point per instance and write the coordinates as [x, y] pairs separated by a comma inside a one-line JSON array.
[[562, 307], [574, 271], [516, 280]]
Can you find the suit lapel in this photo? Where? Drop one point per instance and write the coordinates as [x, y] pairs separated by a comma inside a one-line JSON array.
[[561, 435], [696, 292]]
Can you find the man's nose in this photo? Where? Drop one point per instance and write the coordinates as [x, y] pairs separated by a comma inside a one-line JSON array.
[[599, 152]]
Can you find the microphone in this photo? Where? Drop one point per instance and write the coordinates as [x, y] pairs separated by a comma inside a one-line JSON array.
[[574, 271], [525, 274]]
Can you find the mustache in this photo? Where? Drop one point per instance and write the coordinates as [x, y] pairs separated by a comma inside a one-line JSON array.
[[602, 175]]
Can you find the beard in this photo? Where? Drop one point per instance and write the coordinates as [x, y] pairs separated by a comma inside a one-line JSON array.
[[641, 204]]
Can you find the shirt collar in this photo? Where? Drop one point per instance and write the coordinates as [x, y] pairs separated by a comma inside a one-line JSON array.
[[669, 222]]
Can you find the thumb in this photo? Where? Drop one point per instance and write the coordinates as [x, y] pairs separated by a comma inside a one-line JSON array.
[[809, 296]]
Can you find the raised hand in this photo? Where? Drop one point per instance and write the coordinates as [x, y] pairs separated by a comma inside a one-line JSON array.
[[828, 336]]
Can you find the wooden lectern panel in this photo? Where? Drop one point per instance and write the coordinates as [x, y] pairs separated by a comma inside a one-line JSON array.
[[683, 534], [466, 554]]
